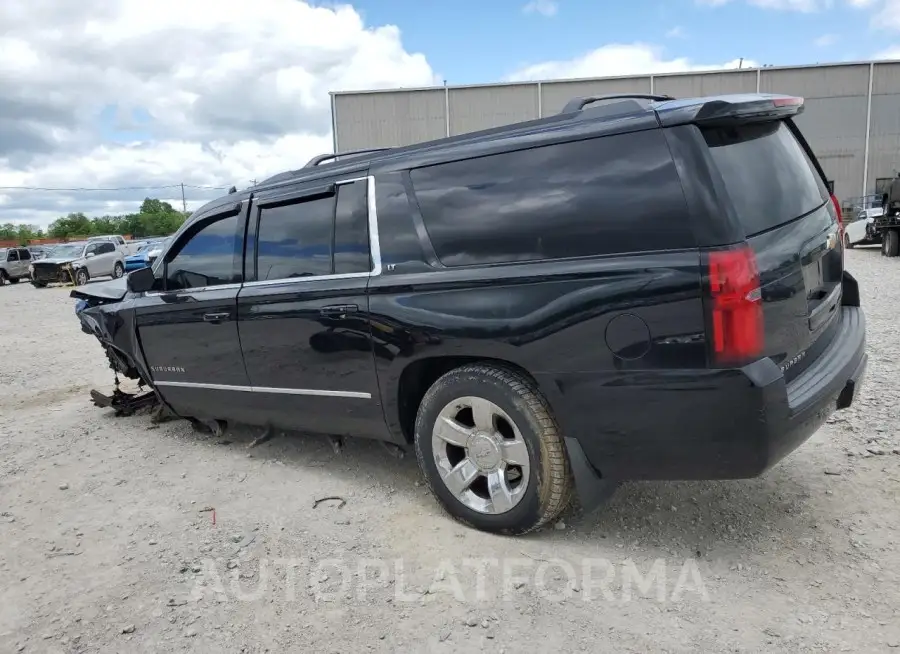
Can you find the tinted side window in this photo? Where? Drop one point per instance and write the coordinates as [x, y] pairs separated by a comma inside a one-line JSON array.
[[13, 255], [600, 196], [105, 248], [294, 240], [207, 258], [351, 229], [25, 255], [769, 178]]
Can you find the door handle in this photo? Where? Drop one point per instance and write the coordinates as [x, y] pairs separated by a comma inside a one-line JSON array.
[[215, 317], [338, 309]]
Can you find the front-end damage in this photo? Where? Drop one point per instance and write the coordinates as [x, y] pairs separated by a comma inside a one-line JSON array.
[[106, 311]]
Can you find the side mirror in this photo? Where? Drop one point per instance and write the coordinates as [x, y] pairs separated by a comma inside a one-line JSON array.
[[141, 280], [89, 255]]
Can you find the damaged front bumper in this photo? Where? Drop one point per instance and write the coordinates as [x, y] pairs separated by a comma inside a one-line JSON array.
[[106, 311]]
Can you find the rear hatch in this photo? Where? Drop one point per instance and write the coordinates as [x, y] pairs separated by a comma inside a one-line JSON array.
[[792, 225]]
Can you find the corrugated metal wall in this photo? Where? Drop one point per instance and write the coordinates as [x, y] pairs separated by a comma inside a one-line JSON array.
[[837, 111]]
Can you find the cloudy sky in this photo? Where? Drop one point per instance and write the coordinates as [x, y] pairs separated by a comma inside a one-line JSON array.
[[130, 94]]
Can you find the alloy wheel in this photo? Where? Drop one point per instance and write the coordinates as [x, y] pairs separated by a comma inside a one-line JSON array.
[[481, 455]]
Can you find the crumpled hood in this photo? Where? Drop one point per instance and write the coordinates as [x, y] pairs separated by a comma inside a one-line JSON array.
[[59, 261], [111, 291]]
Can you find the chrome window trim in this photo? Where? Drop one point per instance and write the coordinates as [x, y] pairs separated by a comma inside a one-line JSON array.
[[267, 389], [374, 248]]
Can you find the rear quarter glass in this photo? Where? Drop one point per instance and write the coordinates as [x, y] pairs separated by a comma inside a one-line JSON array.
[[768, 176], [609, 195]]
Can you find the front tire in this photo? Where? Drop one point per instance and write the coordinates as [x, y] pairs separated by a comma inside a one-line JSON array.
[[81, 277], [890, 243], [118, 270], [491, 451], [13, 280], [39, 284]]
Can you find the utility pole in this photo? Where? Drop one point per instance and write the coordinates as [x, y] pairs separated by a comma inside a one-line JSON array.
[[183, 201], [253, 181]]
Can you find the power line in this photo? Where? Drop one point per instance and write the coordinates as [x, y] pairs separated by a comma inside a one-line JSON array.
[[120, 188]]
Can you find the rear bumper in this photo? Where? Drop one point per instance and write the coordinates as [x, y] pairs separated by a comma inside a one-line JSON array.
[[709, 424]]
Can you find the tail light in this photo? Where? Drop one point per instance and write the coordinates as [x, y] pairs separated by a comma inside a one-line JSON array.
[[837, 210], [736, 314]]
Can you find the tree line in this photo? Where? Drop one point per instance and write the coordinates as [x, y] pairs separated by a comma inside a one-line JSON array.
[[154, 218]]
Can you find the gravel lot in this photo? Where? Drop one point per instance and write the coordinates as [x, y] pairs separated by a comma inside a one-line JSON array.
[[110, 543]]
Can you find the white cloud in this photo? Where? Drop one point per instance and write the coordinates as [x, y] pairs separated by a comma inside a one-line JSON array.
[[206, 92], [676, 32], [825, 40], [543, 7], [892, 52], [618, 59], [887, 15]]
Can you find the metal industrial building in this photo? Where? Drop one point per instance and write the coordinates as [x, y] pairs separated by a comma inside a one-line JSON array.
[[852, 117]]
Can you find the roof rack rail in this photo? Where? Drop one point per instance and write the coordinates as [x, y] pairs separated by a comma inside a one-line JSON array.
[[315, 161], [577, 104]]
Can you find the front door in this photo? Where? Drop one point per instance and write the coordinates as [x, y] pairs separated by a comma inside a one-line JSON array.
[[303, 313], [188, 328], [13, 264]]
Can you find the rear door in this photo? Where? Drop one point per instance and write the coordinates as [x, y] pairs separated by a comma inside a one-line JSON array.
[[24, 262], [791, 223], [106, 258], [304, 313]]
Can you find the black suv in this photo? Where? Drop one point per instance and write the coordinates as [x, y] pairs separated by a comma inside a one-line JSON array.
[[636, 288]]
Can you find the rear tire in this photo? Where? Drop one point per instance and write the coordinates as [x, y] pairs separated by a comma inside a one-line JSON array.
[[508, 460], [118, 270], [890, 243]]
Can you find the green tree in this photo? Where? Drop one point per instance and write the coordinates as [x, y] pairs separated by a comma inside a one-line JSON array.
[[155, 218]]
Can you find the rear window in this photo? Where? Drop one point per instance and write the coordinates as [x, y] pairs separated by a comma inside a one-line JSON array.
[[769, 178]]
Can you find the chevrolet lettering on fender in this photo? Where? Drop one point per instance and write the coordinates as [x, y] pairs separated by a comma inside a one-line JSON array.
[[688, 316]]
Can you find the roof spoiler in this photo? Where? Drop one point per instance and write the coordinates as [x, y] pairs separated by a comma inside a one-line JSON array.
[[729, 109], [577, 104]]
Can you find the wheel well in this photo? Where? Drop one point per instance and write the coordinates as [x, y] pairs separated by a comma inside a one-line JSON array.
[[419, 376]]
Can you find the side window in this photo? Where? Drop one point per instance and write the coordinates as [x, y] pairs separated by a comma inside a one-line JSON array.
[[294, 240], [120, 240], [612, 194], [106, 248], [25, 255], [91, 249], [206, 258], [351, 229], [13, 255]]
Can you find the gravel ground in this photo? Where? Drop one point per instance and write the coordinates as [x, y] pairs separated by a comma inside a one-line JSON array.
[[121, 535]]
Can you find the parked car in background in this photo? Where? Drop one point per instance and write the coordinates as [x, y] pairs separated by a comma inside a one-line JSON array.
[[861, 229], [79, 262], [39, 251], [14, 263], [634, 289], [127, 248], [145, 255]]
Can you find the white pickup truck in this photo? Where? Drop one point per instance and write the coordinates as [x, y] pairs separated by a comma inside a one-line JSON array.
[[126, 248]]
